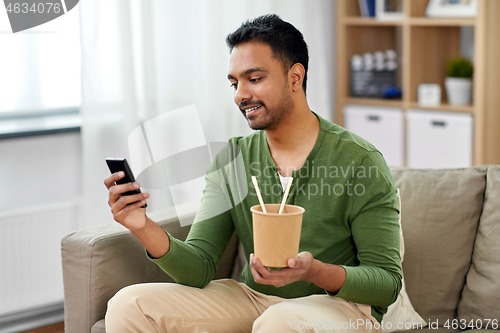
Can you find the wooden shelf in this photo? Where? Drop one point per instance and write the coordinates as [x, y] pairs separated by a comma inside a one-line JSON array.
[[444, 107], [442, 22], [397, 103], [364, 21], [375, 101], [424, 45]]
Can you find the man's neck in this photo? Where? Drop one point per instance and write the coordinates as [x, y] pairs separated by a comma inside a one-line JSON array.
[[295, 131], [292, 141]]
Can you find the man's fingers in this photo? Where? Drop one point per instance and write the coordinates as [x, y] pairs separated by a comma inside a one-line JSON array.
[[128, 209], [255, 273], [125, 200], [115, 192], [263, 275], [281, 277], [259, 268], [120, 189], [110, 181]]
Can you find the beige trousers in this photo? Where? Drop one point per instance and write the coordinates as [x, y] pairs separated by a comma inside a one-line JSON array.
[[230, 306]]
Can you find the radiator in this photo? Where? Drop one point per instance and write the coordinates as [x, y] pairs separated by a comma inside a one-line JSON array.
[[30, 256]]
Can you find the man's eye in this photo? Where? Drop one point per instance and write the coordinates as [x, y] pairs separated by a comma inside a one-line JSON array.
[[233, 85], [255, 79]]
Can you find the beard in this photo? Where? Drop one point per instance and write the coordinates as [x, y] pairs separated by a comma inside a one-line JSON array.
[[270, 118]]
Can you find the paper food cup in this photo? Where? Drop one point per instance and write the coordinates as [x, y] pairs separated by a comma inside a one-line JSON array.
[[276, 237]]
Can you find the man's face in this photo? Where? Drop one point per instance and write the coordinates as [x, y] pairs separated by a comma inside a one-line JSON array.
[[261, 89]]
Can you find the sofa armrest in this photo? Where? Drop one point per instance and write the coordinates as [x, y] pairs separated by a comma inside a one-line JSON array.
[[99, 261]]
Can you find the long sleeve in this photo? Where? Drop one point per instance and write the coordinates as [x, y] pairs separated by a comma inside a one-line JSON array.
[[375, 232], [194, 262]]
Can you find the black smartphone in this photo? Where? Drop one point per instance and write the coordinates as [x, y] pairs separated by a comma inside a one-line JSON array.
[[121, 164]]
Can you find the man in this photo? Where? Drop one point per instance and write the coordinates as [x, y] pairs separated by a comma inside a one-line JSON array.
[[349, 270]]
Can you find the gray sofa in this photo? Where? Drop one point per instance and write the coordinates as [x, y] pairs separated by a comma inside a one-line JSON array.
[[451, 227]]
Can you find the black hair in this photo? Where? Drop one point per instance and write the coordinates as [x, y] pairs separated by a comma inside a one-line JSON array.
[[286, 42]]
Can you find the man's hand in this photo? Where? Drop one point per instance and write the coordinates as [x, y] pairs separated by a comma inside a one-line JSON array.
[[298, 269], [126, 209], [303, 268]]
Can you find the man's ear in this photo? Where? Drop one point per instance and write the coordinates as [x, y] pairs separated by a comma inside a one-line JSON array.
[[297, 73]]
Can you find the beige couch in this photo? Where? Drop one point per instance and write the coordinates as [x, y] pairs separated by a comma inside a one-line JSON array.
[[451, 227]]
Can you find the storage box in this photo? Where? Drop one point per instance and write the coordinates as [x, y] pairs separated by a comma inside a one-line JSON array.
[[381, 126], [439, 139]]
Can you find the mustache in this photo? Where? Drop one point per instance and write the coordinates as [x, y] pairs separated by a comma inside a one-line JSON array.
[[244, 105]]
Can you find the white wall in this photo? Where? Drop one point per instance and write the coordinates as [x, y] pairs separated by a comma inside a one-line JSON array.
[[40, 170], [40, 202]]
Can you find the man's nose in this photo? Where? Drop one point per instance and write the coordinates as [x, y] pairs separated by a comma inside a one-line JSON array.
[[242, 94]]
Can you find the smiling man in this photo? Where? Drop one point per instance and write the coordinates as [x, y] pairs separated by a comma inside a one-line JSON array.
[[253, 85], [348, 271]]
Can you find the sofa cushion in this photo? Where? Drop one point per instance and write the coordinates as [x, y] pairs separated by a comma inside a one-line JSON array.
[[441, 214], [99, 327], [401, 311], [481, 295]]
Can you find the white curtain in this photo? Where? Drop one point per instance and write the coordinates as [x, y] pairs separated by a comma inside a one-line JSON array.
[[142, 58]]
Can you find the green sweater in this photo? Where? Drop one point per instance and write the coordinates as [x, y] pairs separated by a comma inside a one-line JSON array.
[[350, 219]]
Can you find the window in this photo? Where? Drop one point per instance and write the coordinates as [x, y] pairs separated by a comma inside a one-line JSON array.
[[40, 67]]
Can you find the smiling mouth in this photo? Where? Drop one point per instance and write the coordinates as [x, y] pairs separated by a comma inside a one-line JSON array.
[[250, 111]]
